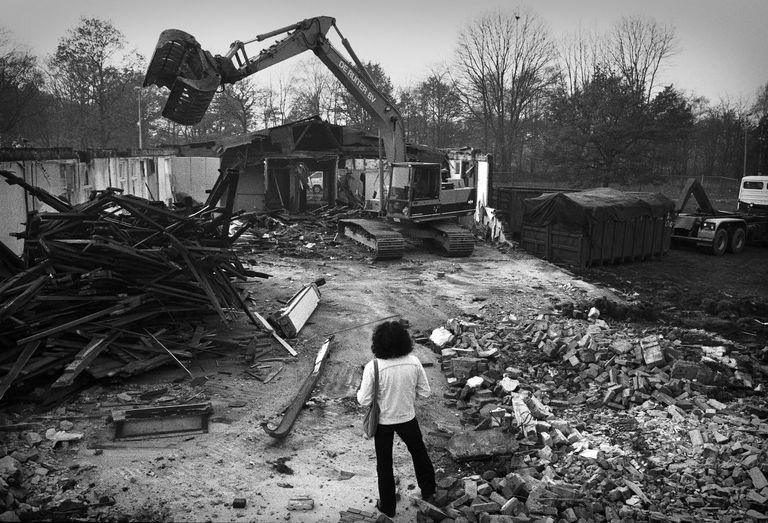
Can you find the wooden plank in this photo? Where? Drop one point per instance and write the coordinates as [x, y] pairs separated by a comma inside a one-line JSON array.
[[22, 360], [83, 359], [258, 319], [204, 283], [302, 395], [271, 330], [41, 194], [13, 280], [123, 306], [20, 427], [139, 366]]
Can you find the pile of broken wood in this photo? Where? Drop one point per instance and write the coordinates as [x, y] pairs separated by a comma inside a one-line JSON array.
[[109, 287], [302, 235]]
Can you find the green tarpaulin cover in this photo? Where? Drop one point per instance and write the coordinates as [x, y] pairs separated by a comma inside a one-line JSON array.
[[585, 208]]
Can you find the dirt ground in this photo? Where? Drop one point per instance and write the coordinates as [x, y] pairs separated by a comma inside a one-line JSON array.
[[196, 477], [727, 294]]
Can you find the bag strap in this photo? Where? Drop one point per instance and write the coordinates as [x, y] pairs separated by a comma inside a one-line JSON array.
[[375, 381]]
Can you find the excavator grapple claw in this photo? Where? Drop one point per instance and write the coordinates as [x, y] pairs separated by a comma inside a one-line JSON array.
[[180, 64]]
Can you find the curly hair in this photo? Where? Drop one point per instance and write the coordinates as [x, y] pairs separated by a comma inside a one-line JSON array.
[[391, 340]]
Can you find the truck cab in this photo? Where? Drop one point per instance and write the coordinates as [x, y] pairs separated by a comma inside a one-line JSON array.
[[722, 231], [753, 194]]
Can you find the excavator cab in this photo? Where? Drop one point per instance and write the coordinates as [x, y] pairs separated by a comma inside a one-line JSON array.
[[192, 74], [412, 184], [418, 194]]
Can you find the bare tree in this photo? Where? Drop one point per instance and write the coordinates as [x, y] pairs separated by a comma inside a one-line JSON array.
[[93, 78], [504, 64], [351, 112], [582, 55], [311, 91], [240, 102], [440, 107], [638, 46], [760, 107], [19, 80], [273, 103]]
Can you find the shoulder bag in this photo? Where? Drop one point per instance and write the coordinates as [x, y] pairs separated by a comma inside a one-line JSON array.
[[371, 420]]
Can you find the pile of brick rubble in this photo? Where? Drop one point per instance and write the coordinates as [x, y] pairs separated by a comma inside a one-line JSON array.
[[572, 418]]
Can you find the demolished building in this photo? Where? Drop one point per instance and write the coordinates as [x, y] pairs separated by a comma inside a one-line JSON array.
[[276, 163]]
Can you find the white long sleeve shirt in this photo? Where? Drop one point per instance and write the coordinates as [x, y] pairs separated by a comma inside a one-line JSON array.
[[400, 381]]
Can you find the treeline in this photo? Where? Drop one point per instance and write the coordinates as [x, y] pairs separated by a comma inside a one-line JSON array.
[[584, 108]]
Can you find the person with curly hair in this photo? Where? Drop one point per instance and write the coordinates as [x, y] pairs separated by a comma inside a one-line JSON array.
[[401, 380]]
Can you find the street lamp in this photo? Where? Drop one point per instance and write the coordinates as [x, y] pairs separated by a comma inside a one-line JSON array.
[[746, 127], [138, 122]]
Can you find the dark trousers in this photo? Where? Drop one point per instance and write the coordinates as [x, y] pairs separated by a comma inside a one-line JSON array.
[[410, 433]]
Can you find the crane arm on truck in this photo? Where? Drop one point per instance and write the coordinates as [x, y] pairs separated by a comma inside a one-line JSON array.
[[694, 188]]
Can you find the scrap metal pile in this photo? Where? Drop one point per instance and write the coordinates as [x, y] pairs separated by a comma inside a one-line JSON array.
[[109, 287], [581, 419]]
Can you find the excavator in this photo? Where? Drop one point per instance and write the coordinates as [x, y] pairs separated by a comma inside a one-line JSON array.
[[414, 198]]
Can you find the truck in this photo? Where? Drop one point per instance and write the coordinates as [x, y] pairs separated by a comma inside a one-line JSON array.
[[414, 198], [718, 231]]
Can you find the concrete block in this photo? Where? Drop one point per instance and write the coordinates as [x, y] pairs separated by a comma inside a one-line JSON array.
[[512, 507]]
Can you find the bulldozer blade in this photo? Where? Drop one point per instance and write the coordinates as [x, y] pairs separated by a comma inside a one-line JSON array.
[[180, 64]]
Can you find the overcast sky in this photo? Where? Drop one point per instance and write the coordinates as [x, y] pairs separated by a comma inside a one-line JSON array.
[[723, 44]]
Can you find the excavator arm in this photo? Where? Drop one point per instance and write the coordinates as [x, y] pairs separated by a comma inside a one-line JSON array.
[[193, 75]]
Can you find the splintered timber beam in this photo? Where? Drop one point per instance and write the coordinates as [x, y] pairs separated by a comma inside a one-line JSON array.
[[11, 305], [83, 359], [18, 366], [41, 194], [125, 305], [302, 395], [258, 320], [267, 327]]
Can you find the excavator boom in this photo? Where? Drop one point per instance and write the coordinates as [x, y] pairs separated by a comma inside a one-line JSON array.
[[193, 75]]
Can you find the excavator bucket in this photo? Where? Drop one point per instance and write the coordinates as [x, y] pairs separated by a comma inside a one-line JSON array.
[[180, 64]]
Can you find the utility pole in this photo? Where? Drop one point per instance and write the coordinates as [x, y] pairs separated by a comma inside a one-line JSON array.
[[138, 122], [746, 127]]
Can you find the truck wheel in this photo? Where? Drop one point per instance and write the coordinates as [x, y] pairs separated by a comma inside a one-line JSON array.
[[737, 241], [317, 189], [720, 242]]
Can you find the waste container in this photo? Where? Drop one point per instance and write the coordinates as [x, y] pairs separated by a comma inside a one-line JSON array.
[[597, 226]]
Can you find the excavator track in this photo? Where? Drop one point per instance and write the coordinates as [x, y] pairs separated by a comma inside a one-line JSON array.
[[455, 240], [385, 243]]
